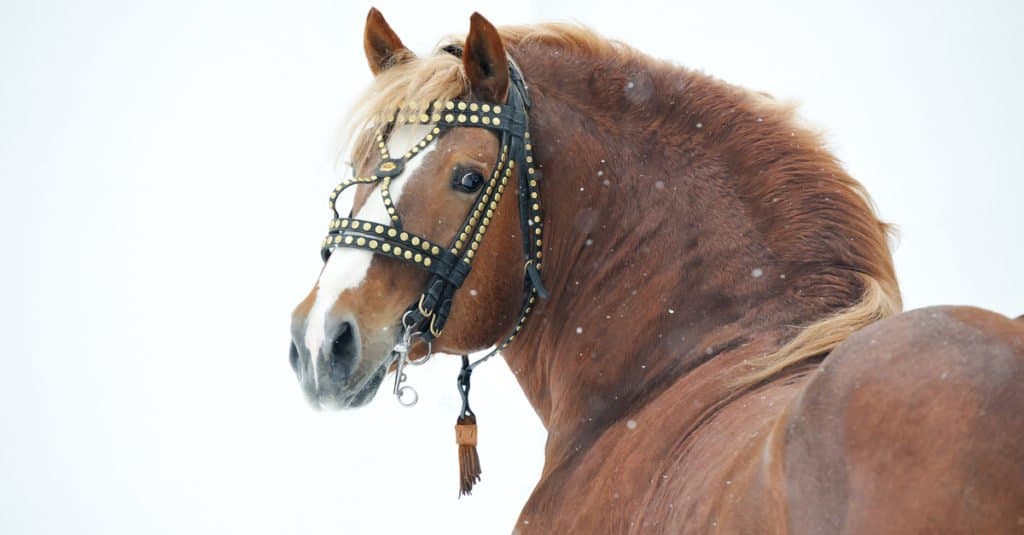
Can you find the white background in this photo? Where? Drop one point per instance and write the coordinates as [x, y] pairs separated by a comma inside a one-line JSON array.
[[163, 174]]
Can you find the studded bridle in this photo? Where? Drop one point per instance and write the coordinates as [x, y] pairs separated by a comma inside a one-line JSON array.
[[450, 264]]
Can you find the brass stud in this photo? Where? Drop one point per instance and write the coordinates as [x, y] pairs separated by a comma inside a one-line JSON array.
[[344, 223], [392, 232], [486, 120], [408, 255], [473, 107], [426, 262], [424, 118], [462, 105], [348, 240], [378, 229], [449, 118], [497, 109], [385, 247], [435, 250], [404, 236], [361, 241], [435, 117], [415, 240], [462, 118], [474, 119], [425, 246], [367, 226], [486, 107], [398, 250], [373, 244], [418, 257], [449, 105], [496, 121]]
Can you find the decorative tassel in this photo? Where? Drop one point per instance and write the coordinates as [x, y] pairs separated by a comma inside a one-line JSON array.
[[469, 461], [465, 435]]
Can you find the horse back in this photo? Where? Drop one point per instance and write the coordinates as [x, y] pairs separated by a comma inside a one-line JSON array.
[[914, 424]]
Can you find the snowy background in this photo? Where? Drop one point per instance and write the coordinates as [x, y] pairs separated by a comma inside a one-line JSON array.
[[163, 171]]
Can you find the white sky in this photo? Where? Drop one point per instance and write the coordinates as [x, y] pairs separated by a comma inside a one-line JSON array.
[[164, 168]]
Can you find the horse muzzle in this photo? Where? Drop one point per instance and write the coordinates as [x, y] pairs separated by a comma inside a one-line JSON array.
[[333, 377]]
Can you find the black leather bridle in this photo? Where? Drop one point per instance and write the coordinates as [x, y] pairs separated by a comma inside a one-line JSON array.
[[450, 264]]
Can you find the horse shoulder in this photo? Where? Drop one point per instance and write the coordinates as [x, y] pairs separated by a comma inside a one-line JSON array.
[[914, 424]]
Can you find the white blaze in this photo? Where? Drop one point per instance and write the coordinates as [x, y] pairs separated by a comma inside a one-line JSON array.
[[347, 267]]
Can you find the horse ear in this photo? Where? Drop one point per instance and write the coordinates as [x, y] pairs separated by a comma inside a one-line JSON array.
[[383, 47], [485, 61]]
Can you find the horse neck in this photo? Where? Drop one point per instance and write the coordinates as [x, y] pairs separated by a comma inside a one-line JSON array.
[[654, 262]]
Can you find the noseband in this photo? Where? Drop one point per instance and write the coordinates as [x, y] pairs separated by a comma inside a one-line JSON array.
[[450, 264]]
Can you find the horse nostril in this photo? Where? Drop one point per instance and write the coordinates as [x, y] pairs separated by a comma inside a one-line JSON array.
[[343, 352], [293, 357]]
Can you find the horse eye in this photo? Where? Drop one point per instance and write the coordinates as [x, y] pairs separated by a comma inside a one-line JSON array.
[[468, 181]]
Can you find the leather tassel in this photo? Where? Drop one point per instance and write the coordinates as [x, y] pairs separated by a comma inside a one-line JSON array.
[[465, 434], [469, 461]]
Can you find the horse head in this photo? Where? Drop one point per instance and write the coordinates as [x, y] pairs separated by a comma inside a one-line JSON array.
[[431, 160]]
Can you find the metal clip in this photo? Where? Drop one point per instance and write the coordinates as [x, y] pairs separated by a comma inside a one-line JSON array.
[[407, 395]]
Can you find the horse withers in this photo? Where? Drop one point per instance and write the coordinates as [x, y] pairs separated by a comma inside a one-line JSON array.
[[721, 346]]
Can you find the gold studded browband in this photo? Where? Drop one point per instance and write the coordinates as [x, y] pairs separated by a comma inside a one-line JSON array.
[[449, 265]]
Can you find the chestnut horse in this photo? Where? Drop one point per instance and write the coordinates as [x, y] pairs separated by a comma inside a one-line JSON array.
[[722, 348]]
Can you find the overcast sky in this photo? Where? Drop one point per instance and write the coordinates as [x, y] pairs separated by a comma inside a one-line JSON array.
[[163, 172]]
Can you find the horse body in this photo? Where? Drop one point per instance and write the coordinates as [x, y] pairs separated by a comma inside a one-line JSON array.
[[911, 425], [719, 350]]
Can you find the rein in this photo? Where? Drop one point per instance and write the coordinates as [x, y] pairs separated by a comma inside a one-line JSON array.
[[450, 264]]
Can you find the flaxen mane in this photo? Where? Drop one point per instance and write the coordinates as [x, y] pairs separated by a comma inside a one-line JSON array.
[[819, 221]]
